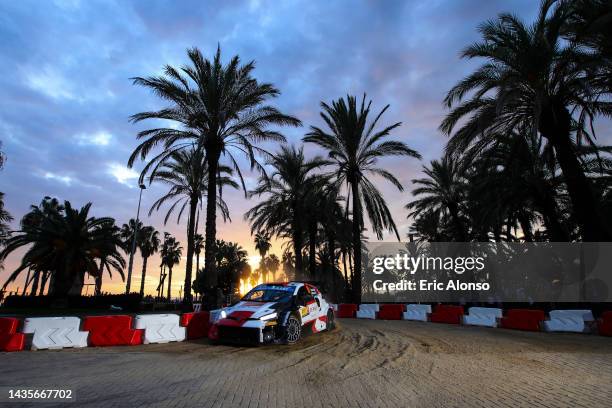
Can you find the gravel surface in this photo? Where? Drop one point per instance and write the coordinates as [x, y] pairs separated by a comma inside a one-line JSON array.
[[363, 363]]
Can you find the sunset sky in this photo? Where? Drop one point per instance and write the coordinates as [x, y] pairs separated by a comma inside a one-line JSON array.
[[65, 69]]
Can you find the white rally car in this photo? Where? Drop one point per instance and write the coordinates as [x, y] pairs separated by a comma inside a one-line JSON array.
[[274, 313]]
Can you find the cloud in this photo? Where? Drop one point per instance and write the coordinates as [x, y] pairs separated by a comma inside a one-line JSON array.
[[67, 180], [122, 174], [101, 138], [50, 83]]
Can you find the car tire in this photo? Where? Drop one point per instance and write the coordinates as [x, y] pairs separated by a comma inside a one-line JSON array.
[[331, 323], [293, 330]]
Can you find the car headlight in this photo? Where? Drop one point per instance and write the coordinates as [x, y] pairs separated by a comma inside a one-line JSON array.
[[268, 316], [222, 315]]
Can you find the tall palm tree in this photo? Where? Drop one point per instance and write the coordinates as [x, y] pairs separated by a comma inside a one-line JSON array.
[[171, 253], [186, 174], [589, 25], [220, 107], [354, 147], [283, 211], [198, 246], [288, 263], [532, 78], [272, 263], [443, 191], [5, 218], [262, 246], [68, 244], [128, 233], [48, 207], [148, 244], [105, 265]]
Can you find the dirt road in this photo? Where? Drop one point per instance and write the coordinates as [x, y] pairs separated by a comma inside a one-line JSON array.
[[361, 364]]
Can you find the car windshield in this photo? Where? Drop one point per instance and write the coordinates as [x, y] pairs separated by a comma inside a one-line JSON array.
[[269, 294]]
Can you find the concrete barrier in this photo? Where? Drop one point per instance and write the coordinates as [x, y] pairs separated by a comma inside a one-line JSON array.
[[55, 332], [568, 321], [482, 316], [160, 328], [416, 312], [367, 311]]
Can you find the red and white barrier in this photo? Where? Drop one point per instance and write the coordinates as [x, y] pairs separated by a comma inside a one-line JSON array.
[[10, 339], [160, 328], [449, 314], [367, 311], [482, 316], [196, 323], [417, 312], [347, 310], [55, 332], [391, 312], [568, 321], [523, 319], [112, 331]]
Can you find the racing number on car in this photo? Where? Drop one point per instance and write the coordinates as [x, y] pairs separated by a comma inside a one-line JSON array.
[[303, 311]]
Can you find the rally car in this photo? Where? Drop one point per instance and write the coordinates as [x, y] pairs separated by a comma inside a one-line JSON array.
[[274, 313]]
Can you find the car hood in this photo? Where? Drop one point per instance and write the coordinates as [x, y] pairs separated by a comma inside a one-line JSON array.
[[253, 310]]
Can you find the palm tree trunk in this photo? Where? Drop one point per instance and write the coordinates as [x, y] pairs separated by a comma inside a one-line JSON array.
[[27, 282], [526, 227], [356, 278], [555, 126], [453, 209], [190, 241], [169, 283], [297, 237], [346, 282], [98, 290], [312, 248], [547, 206], [331, 248], [144, 274], [35, 283], [210, 267], [45, 278]]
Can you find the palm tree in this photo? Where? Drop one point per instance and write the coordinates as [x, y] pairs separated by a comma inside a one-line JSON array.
[[5, 218], [220, 107], [48, 207], [283, 211], [354, 147], [443, 192], [104, 261], [68, 244], [262, 245], [186, 173], [271, 264], [128, 233], [198, 245], [171, 253], [534, 79], [589, 26], [148, 244], [288, 263]]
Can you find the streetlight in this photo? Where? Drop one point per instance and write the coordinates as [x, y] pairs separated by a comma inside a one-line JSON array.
[[129, 278]]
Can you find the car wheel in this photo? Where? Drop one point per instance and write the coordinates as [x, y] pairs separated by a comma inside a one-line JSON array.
[[293, 330], [331, 324]]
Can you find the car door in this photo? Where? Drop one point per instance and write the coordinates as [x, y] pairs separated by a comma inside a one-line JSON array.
[[307, 305]]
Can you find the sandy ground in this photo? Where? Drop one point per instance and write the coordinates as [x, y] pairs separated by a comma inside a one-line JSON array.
[[361, 364]]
